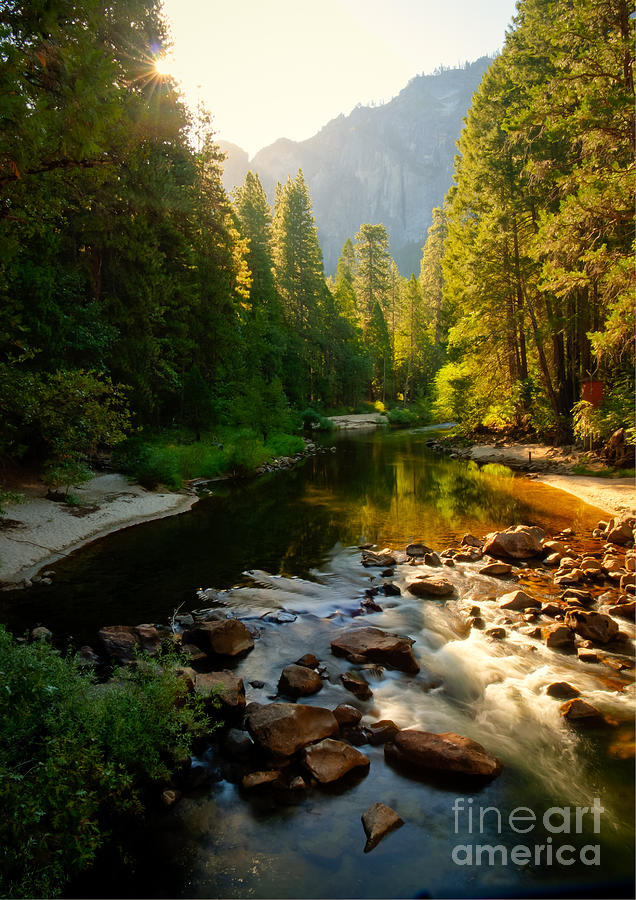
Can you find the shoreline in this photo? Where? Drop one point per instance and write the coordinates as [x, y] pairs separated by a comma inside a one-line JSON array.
[[47, 531]]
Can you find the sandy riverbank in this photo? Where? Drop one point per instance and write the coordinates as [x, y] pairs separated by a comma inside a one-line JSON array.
[[45, 530]]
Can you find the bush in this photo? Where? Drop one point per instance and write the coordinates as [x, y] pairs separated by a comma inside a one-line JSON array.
[[313, 419], [76, 756], [402, 418], [284, 445]]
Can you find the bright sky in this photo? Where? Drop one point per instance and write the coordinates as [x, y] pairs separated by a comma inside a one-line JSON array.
[[268, 69]]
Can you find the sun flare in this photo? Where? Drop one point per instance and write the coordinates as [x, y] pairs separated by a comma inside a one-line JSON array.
[[164, 65]]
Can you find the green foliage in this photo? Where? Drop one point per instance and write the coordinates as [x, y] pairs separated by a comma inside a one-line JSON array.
[[402, 418], [76, 757], [8, 497], [284, 445], [313, 419]]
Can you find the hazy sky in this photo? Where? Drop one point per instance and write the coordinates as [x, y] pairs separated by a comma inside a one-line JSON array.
[[284, 68]]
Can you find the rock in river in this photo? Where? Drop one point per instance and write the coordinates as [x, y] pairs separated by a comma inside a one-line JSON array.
[[518, 600], [368, 644], [377, 821], [516, 542], [592, 625], [431, 586], [423, 751], [284, 728], [228, 637], [227, 686], [299, 681], [330, 760]]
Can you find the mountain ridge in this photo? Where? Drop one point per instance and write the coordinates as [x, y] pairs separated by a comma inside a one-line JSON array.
[[391, 163]]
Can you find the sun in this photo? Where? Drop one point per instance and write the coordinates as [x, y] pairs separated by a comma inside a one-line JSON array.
[[164, 66]]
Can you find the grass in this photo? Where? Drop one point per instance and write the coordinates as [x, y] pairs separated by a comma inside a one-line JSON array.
[[603, 473]]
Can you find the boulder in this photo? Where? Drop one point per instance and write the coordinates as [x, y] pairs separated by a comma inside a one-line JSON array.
[[357, 685], [237, 744], [433, 559], [586, 655], [624, 610], [476, 622], [552, 610], [590, 565], [121, 642], [368, 644], [469, 540], [330, 760], [299, 681], [558, 637], [284, 728], [620, 533], [227, 686], [568, 576], [383, 559], [497, 634], [225, 638], [561, 690], [347, 715], [377, 821], [580, 712], [41, 633], [553, 559], [518, 600], [423, 751], [391, 590], [583, 597], [418, 549], [309, 661], [431, 586], [496, 570], [556, 547], [381, 732], [258, 779], [591, 625], [517, 542]]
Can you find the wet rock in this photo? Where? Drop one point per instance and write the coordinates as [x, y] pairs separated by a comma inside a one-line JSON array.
[[378, 820], [357, 685], [468, 556], [432, 559], [121, 642], [586, 655], [627, 580], [518, 600], [330, 760], [382, 559], [226, 638], [299, 681], [423, 751], [40, 633], [347, 715], [621, 533], [590, 566], [580, 712], [431, 586], [583, 597], [496, 570], [531, 631], [477, 622], [569, 576], [258, 779], [592, 625], [284, 728], [612, 564], [469, 540], [225, 685], [517, 542], [237, 744], [497, 634], [381, 732], [281, 617], [624, 610], [298, 784], [474, 611], [193, 654], [257, 684], [370, 606], [387, 573], [391, 590], [558, 637], [552, 610], [309, 661], [367, 644], [418, 549], [561, 690], [556, 547]]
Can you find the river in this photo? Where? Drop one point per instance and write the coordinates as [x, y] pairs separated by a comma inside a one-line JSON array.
[[289, 541]]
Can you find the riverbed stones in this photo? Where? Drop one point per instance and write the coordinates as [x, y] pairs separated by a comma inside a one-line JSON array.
[[299, 681], [259, 779], [357, 685], [225, 685], [381, 732], [123, 642], [562, 690], [516, 542], [624, 610], [382, 560], [469, 540], [347, 715], [309, 661], [378, 820], [496, 634], [558, 637], [228, 637], [418, 549], [591, 625], [518, 600], [284, 728], [330, 760], [361, 644], [620, 532], [579, 712], [496, 570], [583, 597], [423, 751], [431, 586]]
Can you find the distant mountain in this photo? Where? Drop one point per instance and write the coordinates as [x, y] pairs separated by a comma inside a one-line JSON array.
[[391, 163]]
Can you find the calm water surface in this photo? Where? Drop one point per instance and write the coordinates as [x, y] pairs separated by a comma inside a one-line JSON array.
[[297, 534]]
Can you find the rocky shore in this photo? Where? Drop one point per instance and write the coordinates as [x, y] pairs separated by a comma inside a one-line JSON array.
[[566, 595]]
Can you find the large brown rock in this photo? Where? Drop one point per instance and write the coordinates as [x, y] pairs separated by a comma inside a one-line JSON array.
[[359, 686], [228, 637], [123, 642], [496, 570], [431, 586], [299, 681], [423, 751], [620, 532], [330, 760], [382, 560], [591, 625], [377, 821], [227, 686], [368, 644], [558, 637], [518, 600], [579, 711], [516, 542], [284, 728], [624, 610]]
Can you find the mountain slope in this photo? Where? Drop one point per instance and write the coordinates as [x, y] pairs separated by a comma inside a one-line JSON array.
[[390, 164]]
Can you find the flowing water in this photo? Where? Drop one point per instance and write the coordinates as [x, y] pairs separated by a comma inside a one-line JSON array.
[[289, 542]]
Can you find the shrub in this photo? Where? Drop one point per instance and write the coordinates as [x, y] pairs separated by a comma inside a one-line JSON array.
[[76, 756], [284, 445], [313, 419], [402, 418]]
